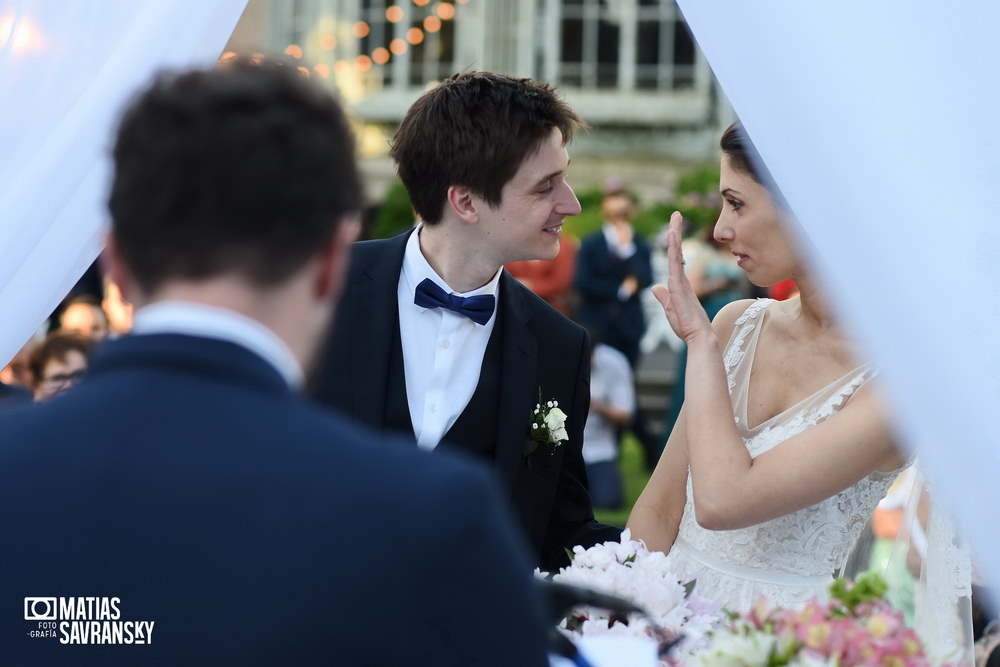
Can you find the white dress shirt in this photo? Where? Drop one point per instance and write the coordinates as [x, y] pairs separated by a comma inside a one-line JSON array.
[[196, 319], [442, 350]]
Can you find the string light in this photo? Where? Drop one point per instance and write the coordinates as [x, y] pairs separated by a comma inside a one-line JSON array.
[[415, 36], [394, 14], [445, 10], [432, 24], [361, 30], [398, 46]]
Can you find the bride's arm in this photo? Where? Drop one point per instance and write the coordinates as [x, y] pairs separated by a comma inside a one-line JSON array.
[[731, 490], [657, 512]]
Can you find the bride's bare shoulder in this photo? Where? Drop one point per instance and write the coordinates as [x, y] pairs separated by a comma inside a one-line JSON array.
[[726, 318]]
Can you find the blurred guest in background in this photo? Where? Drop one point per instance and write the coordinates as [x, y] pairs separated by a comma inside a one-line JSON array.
[[84, 315], [612, 267], [58, 363], [612, 405], [551, 279]]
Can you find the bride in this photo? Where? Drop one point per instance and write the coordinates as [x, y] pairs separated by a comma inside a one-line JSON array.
[[782, 449]]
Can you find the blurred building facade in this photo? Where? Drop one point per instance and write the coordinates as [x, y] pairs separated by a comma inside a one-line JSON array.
[[629, 68]]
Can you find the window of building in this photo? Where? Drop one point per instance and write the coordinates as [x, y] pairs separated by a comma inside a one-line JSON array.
[[621, 44], [411, 43]]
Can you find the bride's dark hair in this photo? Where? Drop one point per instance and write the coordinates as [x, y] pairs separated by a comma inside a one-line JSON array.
[[741, 152]]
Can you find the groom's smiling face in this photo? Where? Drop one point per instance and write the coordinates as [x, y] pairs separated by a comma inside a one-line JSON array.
[[535, 202]]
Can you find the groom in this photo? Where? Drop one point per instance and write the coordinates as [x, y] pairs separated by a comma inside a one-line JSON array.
[[437, 341]]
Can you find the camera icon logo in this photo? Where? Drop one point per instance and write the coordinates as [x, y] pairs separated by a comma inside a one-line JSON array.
[[40, 609]]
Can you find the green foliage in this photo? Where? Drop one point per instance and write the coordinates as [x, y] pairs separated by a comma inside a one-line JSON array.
[[651, 220], [634, 475], [867, 587], [394, 214], [701, 180]]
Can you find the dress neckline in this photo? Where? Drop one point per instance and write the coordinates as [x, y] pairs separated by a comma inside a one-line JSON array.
[[753, 317]]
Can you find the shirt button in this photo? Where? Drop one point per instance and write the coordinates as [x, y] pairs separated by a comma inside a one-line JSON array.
[[446, 344]]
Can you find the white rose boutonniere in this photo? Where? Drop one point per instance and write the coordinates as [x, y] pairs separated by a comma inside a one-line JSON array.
[[548, 426]]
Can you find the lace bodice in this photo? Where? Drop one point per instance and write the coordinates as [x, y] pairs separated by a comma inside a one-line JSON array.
[[793, 557]]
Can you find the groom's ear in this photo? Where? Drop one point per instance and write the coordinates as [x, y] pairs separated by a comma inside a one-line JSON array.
[[464, 202]]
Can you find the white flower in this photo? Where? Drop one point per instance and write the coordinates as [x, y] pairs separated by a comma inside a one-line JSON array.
[[812, 659], [732, 650], [556, 421], [629, 570], [548, 425]]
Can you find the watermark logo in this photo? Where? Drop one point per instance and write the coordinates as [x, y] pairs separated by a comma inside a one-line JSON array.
[[40, 609], [84, 620]]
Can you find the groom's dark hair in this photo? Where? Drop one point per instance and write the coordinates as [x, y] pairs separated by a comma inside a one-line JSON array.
[[245, 168], [475, 129]]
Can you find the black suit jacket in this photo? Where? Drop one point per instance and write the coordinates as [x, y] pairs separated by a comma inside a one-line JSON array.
[[185, 478], [540, 349]]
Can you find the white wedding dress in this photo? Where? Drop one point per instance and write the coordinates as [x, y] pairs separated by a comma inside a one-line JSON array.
[[792, 558]]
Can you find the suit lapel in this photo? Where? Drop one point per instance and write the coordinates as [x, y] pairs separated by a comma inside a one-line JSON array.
[[518, 382], [374, 302]]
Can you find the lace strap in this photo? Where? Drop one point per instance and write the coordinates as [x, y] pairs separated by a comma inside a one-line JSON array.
[[748, 322]]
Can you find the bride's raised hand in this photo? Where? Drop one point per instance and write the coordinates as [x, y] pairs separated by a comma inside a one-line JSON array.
[[684, 311]]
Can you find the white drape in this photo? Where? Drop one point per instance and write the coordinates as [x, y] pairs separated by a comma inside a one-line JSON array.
[[66, 69], [878, 121]]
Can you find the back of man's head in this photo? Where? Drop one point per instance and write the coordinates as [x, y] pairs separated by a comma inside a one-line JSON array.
[[243, 169], [475, 129]]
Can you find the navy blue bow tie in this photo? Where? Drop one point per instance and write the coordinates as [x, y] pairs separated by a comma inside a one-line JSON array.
[[479, 309]]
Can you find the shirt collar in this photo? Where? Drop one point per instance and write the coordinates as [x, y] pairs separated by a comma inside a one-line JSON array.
[[196, 319], [416, 268]]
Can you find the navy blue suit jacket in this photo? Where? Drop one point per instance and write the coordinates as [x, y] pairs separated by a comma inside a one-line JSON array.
[[186, 479], [540, 349], [599, 274]]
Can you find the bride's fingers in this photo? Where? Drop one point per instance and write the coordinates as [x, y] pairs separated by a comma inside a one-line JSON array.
[[675, 257], [662, 295]]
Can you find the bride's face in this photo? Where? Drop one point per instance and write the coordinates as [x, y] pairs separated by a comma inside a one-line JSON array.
[[753, 228]]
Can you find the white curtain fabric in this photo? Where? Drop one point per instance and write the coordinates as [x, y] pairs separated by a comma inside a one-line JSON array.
[[878, 121], [66, 69]]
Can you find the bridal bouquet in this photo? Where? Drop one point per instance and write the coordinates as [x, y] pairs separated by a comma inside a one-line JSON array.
[[629, 570], [856, 626]]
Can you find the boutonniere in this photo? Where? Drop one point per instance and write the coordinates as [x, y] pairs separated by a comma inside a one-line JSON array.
[[548, 426]]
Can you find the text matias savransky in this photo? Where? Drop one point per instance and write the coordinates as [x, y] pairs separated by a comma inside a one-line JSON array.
[[85, 620]]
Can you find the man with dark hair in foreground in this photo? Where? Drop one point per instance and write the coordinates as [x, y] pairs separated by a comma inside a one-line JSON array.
[[182, 505]]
